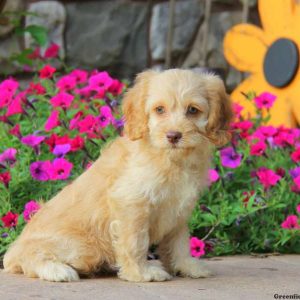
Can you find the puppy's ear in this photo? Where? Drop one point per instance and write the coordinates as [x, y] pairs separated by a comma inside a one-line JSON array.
[[220, 111], [134, 106]]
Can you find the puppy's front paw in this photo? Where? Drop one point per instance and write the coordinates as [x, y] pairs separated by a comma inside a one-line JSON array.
[[192, 267], [151, 272], [55, 271]]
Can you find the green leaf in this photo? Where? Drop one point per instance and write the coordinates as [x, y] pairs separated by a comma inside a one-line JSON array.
[[38, 33]]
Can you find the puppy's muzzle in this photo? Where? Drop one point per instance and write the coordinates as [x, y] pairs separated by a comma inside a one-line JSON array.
[[174, 137]]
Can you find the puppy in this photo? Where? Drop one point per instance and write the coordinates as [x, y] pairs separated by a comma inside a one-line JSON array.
[[141, 191]]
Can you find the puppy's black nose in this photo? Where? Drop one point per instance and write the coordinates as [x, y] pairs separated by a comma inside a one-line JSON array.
[[174, 136]]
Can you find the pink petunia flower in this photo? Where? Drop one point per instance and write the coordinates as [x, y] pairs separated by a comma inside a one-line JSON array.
[[74, 121], [213, 176], [10, 220], [197, 247], [106, 116], [8, 156], [31, 207], [291, 222], [36, 53], [61, 150], [284, 139], [5, 98], [237, 109], [5, 178], [52, 51], [295, 172], [101, 79], [61, 169], [16, 131], [77, 143], [88, 125], [116, 87], [79, 75], [41, 170], [258, 149], [9, 85], [32, 140], [230, 158], [36, 88], [265, 100], [298, 208], [66, 83], [46, 72], [62, 100], [267, 177], [14, 107], [52, 121], [295, 156], [54, 140], [297, 181]]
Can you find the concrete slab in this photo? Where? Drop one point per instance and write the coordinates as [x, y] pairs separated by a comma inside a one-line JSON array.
[[236, 277]]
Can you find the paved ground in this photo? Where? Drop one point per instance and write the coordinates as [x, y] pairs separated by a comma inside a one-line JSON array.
[[238, 277]]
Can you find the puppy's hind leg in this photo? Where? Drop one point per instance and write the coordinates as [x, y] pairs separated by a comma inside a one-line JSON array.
[[36, 258]]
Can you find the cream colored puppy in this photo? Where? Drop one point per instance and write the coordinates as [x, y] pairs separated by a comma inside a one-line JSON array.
[[141, 191]]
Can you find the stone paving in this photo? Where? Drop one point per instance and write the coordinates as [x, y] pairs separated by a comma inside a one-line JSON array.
[[236, 277]]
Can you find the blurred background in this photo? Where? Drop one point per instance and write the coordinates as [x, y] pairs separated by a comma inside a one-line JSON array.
[[123, 36]]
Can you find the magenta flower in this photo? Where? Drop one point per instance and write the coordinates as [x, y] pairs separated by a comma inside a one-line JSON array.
[[298, 208], [258, 149], [116, 87], [62, 100], [237, 109], [297, 181], [265, 100], [52, 121], [5, 178], [14, 107], [66, 83], [105, 116], [267, 177], [10, 220], [8, 156], [295, 172], [197, 247], [47, 71], [30, 209], [291, 222], [16, 131], [213, 176], [88, 125], [230, 158], [32, 140], [9, 85], [101, 79], [52, 51], [79, 75], [61, 150], [74, 121], [295, 156], [5, 98], [61, 169], [41, 170]]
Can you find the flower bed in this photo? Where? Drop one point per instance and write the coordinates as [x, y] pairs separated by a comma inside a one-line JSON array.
[[53, 129]]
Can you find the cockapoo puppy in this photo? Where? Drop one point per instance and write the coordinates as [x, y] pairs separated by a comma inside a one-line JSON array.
[[141, 191]]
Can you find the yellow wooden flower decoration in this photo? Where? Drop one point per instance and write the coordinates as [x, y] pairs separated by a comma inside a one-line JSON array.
[[271, 55]]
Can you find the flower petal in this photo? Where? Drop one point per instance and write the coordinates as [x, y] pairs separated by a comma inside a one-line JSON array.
[[244, 47]]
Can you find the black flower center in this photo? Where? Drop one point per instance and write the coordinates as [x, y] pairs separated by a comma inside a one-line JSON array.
[[281, 62]]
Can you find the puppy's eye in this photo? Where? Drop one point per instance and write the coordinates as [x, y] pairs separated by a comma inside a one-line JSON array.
[[160, 110], [192, 110]]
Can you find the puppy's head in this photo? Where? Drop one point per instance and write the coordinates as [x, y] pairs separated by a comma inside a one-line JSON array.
[[177, 109]]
